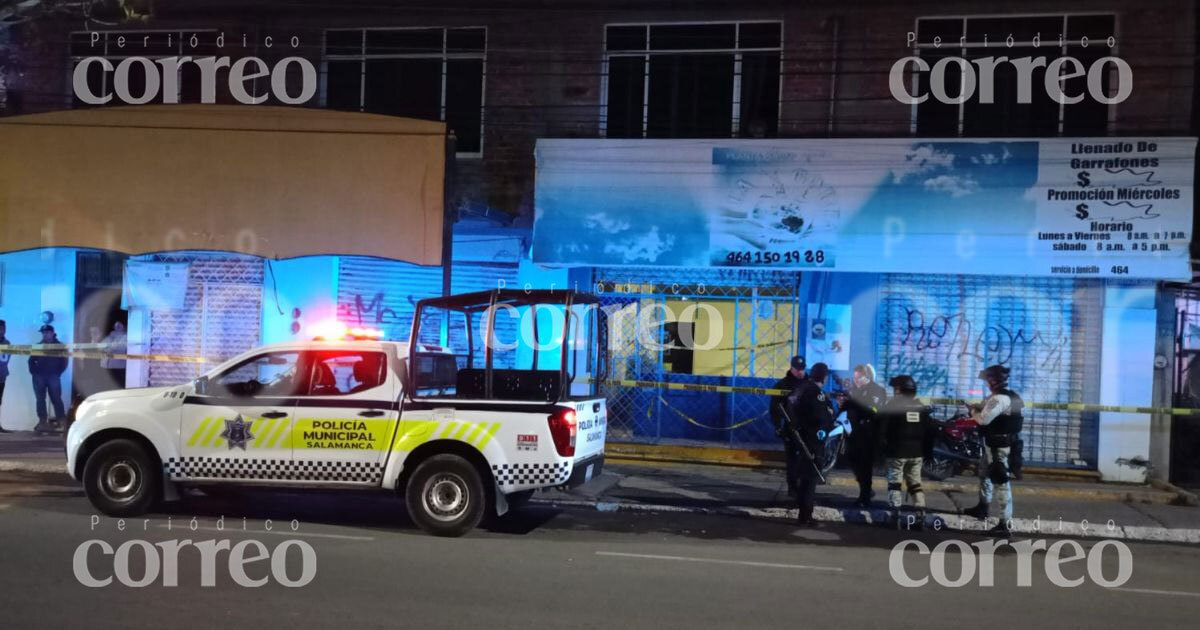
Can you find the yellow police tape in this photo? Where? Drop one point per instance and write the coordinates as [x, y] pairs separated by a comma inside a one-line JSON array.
[[769, 391], [94, 351], [691, 420]]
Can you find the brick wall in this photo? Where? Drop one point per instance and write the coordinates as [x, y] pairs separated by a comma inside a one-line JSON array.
[[544, 65]]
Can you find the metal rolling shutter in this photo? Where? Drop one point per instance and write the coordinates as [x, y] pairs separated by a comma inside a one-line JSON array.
[[943, 329], [222, 316], [383, 293]]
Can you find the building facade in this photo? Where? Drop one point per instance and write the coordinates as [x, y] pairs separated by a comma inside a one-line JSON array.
[[505, 75]]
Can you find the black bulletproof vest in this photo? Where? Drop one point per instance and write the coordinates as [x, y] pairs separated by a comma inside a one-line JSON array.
[[1008, 423]]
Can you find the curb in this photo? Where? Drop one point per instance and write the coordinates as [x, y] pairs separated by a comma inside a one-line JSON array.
[[766, 458], [933, 522], [37, 467], [1182, 497], [1086, 488]]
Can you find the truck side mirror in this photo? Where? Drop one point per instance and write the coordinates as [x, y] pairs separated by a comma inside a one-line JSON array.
[[202, 385]]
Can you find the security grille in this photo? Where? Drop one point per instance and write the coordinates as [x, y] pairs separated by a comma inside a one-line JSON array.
[[383, 293], [741, 331], [943, 329], [222, 315]]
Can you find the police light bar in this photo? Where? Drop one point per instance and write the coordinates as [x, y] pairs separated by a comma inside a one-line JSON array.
[[334, 330]]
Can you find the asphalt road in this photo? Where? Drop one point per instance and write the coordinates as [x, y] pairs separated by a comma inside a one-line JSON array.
[[541, 568]]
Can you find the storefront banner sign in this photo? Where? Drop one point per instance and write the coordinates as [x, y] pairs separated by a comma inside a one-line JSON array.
[[1084, 207], [154, 286]]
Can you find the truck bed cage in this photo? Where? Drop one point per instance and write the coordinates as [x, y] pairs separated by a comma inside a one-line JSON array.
[[510, 384]]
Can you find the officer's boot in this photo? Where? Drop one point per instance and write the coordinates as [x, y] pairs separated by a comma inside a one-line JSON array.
[[1001, 529], [980, 511], [864, 499]]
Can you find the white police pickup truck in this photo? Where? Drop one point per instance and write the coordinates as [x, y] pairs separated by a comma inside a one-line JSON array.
[[448, 420]]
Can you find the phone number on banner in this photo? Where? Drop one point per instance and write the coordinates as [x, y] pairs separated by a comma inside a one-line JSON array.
[[785, 258]]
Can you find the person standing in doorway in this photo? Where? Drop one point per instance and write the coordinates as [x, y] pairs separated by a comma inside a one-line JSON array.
[[47, 371], [117, 342], [4, 358]]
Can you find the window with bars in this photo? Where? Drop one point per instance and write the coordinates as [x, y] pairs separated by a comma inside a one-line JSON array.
[[703, 80], [116, 46], [1084, 37], [429, 73]]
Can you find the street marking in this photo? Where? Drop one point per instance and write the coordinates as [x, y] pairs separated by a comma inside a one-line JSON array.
[[263, 531], [745, 563], [1152, 591]]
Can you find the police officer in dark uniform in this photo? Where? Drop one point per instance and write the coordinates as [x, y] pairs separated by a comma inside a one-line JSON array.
[[1001, 421], [796, 374], [864, 397], [811, 410]]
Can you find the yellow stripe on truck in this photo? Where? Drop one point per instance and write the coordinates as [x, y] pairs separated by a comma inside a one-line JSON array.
[[341, 434], [488, 436], [412, 433], [200, 429], [263, 431], [211, 432], [470, 439], [278, 432]]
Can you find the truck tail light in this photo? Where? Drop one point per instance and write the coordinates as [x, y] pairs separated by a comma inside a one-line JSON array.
[[563, 429]]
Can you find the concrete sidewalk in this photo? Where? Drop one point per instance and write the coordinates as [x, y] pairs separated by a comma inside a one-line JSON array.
[[26, 451], [1053, 508]]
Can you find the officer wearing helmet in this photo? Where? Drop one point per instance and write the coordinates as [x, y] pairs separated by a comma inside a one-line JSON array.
[[904, 429], [1001, 421]]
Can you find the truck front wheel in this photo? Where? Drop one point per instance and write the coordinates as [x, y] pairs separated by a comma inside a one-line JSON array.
[[445, 496], [120, 478]]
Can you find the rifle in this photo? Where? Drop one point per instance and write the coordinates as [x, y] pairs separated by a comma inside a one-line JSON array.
[[795, 435]]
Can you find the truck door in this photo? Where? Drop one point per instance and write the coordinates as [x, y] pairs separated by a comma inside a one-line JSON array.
[[346, 417], [239, 425]]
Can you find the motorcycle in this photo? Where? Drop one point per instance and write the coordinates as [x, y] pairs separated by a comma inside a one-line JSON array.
[[833, 442], [957, 443]]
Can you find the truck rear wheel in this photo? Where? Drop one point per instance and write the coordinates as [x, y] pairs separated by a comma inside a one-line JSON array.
[[445, 496], [121, 479]]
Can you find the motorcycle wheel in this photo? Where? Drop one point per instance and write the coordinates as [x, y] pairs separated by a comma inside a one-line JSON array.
[[832, 453]]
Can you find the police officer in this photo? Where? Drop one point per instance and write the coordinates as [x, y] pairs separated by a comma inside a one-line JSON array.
[[810, 410], [904, 429], [1001, 421], [796, 374], [864, 397], [4, 358]]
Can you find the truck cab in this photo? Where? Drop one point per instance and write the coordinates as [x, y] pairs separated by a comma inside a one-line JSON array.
[[451, 419]]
